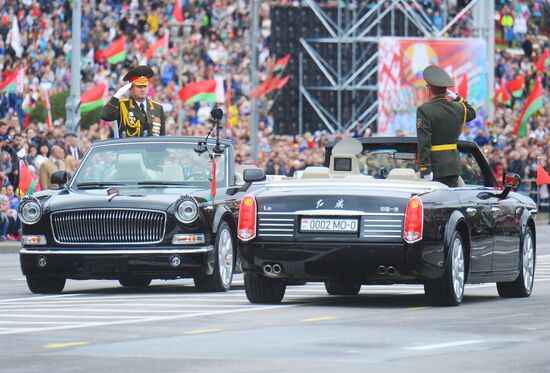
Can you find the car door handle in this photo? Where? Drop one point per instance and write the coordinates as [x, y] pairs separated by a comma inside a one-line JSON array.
[[495, 211], [471, 211]]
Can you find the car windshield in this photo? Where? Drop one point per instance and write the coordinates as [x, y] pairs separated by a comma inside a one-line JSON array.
[[379, 162], [148, 165]]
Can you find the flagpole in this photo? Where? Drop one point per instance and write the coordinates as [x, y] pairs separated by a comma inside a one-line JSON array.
[[538, 186], [72, 106], [254, 77]]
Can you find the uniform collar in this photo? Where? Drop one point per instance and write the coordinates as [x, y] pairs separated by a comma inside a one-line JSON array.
[[439, 97]]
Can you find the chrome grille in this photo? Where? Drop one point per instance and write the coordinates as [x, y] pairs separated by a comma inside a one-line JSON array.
[[383, 226], [108, 226], [275, 225]]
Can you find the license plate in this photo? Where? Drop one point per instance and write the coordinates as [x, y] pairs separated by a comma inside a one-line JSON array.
[[328, 225]]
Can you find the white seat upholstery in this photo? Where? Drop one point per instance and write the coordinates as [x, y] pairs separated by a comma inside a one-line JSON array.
[[461, 182], [402, 174], [130, 167], [172, 172], [316, 173]]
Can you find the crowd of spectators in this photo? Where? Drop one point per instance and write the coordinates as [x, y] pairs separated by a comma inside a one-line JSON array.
[[214, 41]]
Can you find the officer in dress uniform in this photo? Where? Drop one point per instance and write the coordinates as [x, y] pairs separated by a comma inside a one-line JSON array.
[[137, 116], [439, 123]]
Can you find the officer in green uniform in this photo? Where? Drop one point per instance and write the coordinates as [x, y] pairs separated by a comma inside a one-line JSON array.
[[439, 123], [137, 116]]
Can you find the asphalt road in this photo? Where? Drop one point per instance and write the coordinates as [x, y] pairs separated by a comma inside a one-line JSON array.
[[99, 326]]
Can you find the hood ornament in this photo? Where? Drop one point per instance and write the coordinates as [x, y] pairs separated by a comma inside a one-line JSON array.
[[112, 193]]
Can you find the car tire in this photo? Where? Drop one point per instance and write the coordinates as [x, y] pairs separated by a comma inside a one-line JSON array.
[[523, 285], [448, 290], [224, 264], [46, 284], [260, 289], [342, 287], [134, 282]]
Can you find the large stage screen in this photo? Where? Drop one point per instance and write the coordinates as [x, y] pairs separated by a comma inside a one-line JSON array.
[[401, 88]]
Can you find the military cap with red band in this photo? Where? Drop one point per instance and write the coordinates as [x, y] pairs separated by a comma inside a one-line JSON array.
[[139, 75], [437, 77]]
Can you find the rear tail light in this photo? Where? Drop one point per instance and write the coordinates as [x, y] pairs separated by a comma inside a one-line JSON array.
[[414, 220], [247, 218]]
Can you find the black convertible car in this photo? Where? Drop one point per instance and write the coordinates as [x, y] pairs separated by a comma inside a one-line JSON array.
[[136, 210], [366, 218]]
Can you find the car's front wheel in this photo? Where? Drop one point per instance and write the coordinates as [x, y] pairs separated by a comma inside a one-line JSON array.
[[342, 287], [523, 285], [448, 290], [134, 282], [224, 264], [260, 289], [46, 284]]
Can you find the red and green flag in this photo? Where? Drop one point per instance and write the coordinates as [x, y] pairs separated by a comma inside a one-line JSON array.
[[543, 62], [501, 95], [28, 184], [158, 46], [13, 82], [515, 86], [92, 98], [213, 180], [199, 91], [48, 107], [177, 13], [280, 65], [116, 52], [462, 88], [532, 106]]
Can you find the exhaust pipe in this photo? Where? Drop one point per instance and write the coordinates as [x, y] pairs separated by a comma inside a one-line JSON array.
[[277, 269], [391, 270], [382, 270], [268, 269]]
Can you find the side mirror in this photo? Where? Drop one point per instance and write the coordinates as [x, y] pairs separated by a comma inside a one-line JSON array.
[[510, 181], [250, 176], [59, 177], [253, 174]]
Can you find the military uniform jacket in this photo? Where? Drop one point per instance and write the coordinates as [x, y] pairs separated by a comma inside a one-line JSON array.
[[439, 123], [131, 121]]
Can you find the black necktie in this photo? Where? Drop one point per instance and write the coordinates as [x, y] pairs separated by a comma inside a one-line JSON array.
[[145, 132], [142, 107]]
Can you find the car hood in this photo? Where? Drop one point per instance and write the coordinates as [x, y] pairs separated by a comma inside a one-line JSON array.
[[98, 198]]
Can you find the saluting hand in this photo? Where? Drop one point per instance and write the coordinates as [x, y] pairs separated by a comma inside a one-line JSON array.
[[453, 96], [122, 91]]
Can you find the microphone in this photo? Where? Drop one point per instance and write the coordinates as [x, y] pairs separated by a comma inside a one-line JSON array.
[[216, 113]]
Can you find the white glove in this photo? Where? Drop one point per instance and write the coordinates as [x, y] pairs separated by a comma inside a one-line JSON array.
[[451, 94], [122, 91], [429, 176]]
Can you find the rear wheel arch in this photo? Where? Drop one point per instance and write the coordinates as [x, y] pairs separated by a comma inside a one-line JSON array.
[[223, 213], [457, 222]]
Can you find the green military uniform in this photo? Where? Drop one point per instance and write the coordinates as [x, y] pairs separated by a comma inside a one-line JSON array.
[[131, 120], [439, 123], [136, 119]]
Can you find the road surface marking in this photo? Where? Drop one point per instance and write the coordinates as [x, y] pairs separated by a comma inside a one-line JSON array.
[[443, 345], [203, 331], [322, 318], [63, 345]]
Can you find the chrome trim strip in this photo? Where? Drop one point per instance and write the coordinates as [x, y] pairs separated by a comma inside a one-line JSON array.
[[276, 235], [382, 220], [98, 230], [382, 226], [204, 249], [275, 225], [276, 230], [333, 212], [381, 236], [275, 219], [381, 231]]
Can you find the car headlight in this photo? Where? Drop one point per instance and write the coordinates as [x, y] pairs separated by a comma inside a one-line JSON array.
[[186, 210], [30, 210]]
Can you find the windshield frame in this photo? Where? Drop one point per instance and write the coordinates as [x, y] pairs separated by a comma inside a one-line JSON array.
[[229, 172]]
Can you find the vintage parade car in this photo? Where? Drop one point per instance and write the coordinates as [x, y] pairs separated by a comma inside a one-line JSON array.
[[136, 210], [367, 218]]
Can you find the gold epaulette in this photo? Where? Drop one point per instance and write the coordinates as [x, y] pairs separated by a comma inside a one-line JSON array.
[[155, 102], [124, 99]]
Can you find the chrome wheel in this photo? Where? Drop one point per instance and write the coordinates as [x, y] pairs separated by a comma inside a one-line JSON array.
[[458, 268], [528, 263], [225, 257]]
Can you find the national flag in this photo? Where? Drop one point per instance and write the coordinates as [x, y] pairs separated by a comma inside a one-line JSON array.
[[12, 82], [158, 46], [462, 88], [282, 82], [15, 38], [199, 91], [92, 98], [177, 13], [280, 65], [28, 184], [220, 89], [542, 175], [516, 86], [263, 88], [532, 106], [116, 52], [543, 62], [47, 106], [501, 95]]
